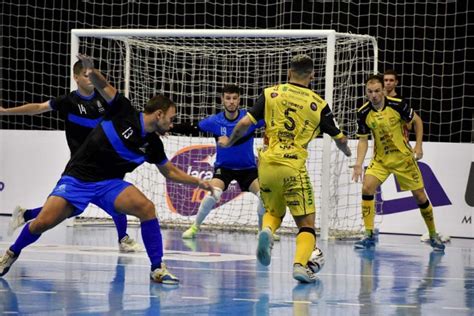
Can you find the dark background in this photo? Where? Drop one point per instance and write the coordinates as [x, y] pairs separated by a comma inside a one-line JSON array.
[[429, 43]]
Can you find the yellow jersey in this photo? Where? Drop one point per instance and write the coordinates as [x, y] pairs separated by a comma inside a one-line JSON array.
[[387, 127], [294, 115]]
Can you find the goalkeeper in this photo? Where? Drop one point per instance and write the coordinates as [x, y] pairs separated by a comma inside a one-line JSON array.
[[294, 115], [81, 110], [383, 117], [234, 163]]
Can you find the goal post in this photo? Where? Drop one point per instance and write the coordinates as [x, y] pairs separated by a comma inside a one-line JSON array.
[[191, 65]]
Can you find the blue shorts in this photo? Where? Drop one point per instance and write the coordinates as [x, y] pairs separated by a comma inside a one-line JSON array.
[[81, 193]]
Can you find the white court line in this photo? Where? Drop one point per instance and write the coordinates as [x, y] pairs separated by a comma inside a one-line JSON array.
[[456, 308], [299, 302], [246, 299], [113, 252], [44, 292], [92, 294], [350, 304], [195, 298], [404, 306]]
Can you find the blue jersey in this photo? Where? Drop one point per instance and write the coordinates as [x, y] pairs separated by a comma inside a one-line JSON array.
[[80, 114], [118, 145], [241, 155]]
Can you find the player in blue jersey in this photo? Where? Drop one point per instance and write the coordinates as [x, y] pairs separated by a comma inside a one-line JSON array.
[[233, 163], [81, 110], [123, 140]]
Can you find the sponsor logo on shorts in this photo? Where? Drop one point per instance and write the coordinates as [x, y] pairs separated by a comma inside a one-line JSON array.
[[274, 94], [313, 106]]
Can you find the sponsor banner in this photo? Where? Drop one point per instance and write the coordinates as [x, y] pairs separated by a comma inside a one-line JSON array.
[[32, 161]]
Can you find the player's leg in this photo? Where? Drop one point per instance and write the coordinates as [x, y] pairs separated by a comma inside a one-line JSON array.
[[20, 216], [300, 200], [127, 199], [126, 243], [374, 176], [271, 190], [55, 210], [207, 204], [254, 187], [409, 177]]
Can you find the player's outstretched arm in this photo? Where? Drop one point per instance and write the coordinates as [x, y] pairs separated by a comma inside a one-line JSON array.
[[239, 130], [343, 145], [26, 109], [97, 79], [362, 148], [170, 171]]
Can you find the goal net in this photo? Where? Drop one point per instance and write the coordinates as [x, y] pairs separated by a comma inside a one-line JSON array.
[[191, 67]]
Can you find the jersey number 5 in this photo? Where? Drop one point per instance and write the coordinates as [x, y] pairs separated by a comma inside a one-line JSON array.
[[290, 123]]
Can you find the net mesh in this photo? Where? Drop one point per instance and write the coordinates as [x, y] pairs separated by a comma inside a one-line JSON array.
[[192, 72]]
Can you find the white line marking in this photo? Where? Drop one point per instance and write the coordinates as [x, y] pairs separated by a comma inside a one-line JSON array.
[[246, 299], [456, 308], [404, 306], [92, 294], [350, 304], [44, 292], [195, 298]]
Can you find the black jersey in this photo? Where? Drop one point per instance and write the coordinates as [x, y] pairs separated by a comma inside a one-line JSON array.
[[118, 145], [81, 114]]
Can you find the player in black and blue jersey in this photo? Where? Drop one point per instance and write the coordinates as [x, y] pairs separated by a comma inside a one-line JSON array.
[[82, 110], [123, 140]]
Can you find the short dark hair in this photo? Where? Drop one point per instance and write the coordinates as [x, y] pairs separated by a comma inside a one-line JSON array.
[[378, 78], [231, 88], [302, 65], [391, 72], [77, 68], [158, 102]]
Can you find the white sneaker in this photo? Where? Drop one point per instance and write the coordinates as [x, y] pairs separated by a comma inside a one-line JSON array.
[[17, 220], [162, 275], [303, 274], [6, 262], [128, 244]]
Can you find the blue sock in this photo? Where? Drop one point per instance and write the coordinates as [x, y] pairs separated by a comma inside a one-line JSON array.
[[151, 235], [121, 225], [31, 213], [24, 239]]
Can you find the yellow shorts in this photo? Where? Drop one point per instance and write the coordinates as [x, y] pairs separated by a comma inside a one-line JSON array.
[[405, 168], [282, 186]]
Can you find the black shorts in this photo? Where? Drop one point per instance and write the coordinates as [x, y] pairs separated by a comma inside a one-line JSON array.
[[243, 177]]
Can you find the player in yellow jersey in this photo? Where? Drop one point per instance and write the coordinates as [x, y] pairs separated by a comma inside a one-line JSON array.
[[294, 115], [384, 117]]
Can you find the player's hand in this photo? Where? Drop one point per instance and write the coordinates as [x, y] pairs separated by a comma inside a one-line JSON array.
[[87, 61], [223, 142], [357, 173], [418, 152], [343, 146], [206, 185]]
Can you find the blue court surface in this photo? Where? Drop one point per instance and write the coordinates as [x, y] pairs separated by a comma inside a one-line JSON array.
[[79, 271]]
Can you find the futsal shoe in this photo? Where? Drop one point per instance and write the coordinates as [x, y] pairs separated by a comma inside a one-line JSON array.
[[7, 261], [191, 232], [436, 243], [368, 242], [264, 247], [128, 244], [17, 220], [303, 274], [163, 276]]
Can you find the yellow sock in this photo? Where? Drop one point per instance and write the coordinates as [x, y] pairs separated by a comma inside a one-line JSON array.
[[271, 221], [427, 212], [368, 212], [305, 242]]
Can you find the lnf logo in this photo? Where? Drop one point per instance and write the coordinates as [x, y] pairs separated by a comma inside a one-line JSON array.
[[433, 188]]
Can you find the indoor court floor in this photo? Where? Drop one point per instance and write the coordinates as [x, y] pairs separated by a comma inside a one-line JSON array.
[[79, 271]]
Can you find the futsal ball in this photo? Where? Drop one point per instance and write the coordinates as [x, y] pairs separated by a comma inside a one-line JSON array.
[[316, 260]]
